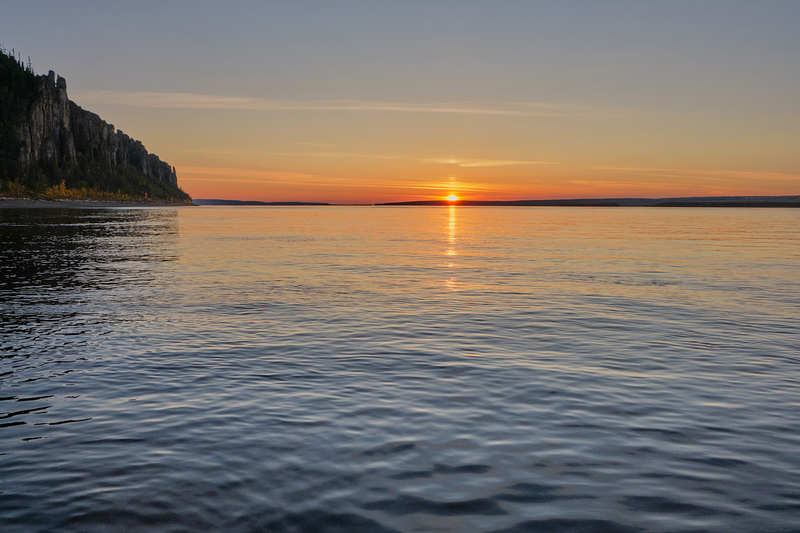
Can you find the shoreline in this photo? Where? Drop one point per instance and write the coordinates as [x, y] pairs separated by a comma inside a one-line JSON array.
[[31, 203]]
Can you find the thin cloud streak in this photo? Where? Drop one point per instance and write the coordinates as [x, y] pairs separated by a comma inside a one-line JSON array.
[[339, 155], [276, 177], [187, 100], [460, 187], [706, 173], [477, 163], [460, 162]]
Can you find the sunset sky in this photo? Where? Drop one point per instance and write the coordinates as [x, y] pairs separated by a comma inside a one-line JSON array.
[[381, 101]]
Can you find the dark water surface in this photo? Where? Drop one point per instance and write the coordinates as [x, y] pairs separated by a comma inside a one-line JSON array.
[[400, 369]]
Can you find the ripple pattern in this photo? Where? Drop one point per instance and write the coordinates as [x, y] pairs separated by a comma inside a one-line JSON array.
[[400, 369]]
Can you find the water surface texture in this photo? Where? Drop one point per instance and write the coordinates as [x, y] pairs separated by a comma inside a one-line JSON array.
[[400, 369]]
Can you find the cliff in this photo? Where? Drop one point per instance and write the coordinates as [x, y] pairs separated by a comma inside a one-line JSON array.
[[50, 145]]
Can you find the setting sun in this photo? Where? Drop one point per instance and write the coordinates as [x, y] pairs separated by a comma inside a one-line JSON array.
[[452, 198]]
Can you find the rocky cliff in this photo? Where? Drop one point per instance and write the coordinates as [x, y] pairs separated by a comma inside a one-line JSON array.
[[48, 140]]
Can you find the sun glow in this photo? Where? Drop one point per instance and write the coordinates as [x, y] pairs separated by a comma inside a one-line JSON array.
[[452, 198]]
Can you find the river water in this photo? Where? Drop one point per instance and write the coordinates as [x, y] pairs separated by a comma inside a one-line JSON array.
[[400, 369]]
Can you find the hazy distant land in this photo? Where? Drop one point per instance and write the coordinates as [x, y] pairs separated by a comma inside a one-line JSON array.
[[700, 201], [694, 201]]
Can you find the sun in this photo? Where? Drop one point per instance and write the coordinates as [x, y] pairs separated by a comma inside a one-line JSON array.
[[452, 198]]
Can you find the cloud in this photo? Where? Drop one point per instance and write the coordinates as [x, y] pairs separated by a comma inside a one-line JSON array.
[[265, 176], [475, 163], [460, 162], [314, 144], [187, 100], [340, 155], [719, 174], [460, 187], [564, 109], [213, 174], [245, 175]]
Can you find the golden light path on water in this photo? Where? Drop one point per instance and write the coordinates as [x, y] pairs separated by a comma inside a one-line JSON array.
[[451, 248]]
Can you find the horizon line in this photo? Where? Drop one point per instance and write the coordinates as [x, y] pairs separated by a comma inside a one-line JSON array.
[[787, 200]]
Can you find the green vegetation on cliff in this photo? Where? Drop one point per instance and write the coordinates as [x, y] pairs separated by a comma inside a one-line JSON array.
[[52, 148]]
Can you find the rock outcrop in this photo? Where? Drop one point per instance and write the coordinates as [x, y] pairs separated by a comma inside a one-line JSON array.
[[45, 134], [57, 130], [48, 139]]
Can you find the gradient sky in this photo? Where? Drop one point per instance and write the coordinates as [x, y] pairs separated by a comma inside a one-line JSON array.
[[379, 101]]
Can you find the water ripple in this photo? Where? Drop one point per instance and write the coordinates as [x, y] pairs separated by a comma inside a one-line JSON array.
[[365, 369]]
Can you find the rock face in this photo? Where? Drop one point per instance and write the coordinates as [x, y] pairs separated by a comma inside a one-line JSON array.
[[45, 135], [58, 133], [50, 147]]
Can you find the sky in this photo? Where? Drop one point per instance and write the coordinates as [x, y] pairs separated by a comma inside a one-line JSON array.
[[361, 102]]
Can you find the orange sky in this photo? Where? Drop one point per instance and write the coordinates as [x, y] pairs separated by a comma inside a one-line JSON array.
[[369, 152], [277, 185]]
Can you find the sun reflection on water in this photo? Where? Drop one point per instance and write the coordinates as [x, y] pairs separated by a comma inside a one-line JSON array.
[[451, 247], [451, 231]]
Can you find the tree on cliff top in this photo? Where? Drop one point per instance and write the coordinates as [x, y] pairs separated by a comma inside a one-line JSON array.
[[18, 88]]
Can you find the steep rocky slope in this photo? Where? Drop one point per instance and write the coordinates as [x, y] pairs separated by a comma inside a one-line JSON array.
[[49, 144]]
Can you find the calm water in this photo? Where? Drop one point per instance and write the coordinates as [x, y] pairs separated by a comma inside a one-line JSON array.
[[400, 369]]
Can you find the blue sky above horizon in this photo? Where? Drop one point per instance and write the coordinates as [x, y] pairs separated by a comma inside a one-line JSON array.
[[374, 101]]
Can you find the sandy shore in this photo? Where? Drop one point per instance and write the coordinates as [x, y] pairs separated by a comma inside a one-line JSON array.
[[29, 203]]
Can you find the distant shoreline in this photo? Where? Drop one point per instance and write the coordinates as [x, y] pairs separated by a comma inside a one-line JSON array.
[[712, 201], [699, 201]]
